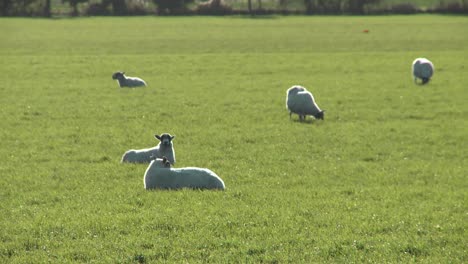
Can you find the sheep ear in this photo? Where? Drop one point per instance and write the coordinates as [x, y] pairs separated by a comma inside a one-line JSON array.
[[172, 137], [158, 137]]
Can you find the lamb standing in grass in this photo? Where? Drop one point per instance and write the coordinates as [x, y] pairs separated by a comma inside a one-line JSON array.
[[301, 102], [422, 69], [165, 148], [125, 81], [160, 175]]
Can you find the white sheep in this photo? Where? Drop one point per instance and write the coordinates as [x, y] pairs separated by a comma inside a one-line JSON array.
[[165, 148], [301, 102], [422, 69], [160, 175], [125, 81]]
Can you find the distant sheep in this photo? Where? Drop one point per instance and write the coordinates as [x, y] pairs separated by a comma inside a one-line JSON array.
[[125, 81], [422, 69], [300, 101], [165, 148], [160, 175]]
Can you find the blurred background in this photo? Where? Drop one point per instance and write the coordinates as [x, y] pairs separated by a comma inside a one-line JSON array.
[[65, 8]]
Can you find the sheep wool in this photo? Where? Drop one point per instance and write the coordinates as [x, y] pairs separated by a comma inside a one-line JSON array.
[[125, 81], [300, 101], [423, 69], [165, 148], [160, 175]]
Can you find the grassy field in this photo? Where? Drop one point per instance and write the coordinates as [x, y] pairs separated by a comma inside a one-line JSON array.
[[383, 179]]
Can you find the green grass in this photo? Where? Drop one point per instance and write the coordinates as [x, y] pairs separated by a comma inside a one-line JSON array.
[[382, 179]]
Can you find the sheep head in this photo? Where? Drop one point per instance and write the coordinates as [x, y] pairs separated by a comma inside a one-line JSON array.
[[320, 115], [160, 163], [166, 139], [117, 75], [165, 162]]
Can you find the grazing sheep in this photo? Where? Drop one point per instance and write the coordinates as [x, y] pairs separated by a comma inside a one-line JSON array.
[[301, 102], [163, 149], [422, 69], [160, 175], [125, 81]]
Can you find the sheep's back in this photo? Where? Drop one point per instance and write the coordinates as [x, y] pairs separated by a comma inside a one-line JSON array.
[[303, 103], [190, 177], [135, 82], [139, 156], [423, 68]]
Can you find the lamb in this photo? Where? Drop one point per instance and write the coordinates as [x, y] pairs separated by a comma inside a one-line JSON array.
[[160, 175], [164, 148], [125, 81], [422, 69], [301, 102]]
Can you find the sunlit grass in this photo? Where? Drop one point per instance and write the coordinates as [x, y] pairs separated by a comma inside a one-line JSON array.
[[381, 179]]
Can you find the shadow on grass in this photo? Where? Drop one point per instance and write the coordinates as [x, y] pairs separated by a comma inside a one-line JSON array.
[[306, 122]]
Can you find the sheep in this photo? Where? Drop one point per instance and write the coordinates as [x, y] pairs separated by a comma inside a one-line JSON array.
[[125, 81], [164, 148], [160, 175], [422, 69], [301, 102]]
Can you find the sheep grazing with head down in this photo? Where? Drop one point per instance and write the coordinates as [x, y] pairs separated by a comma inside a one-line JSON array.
[[165, 148], [422, 69], [125, 81], [300, 101], [160, 175]]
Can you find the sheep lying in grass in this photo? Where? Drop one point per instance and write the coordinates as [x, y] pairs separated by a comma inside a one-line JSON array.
[[165, 148], [422, 69], [160, 175], [301, 102], [125, 81]]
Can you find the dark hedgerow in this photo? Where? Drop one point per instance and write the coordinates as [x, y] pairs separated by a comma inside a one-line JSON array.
[[452, 8], [213, 7], [97, 9], [404, 8], [172, 7]]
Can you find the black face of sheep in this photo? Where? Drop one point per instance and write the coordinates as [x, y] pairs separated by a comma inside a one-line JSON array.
[[320, 115], [166, 162], [425, 80], [165, 139], [117, 75]]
